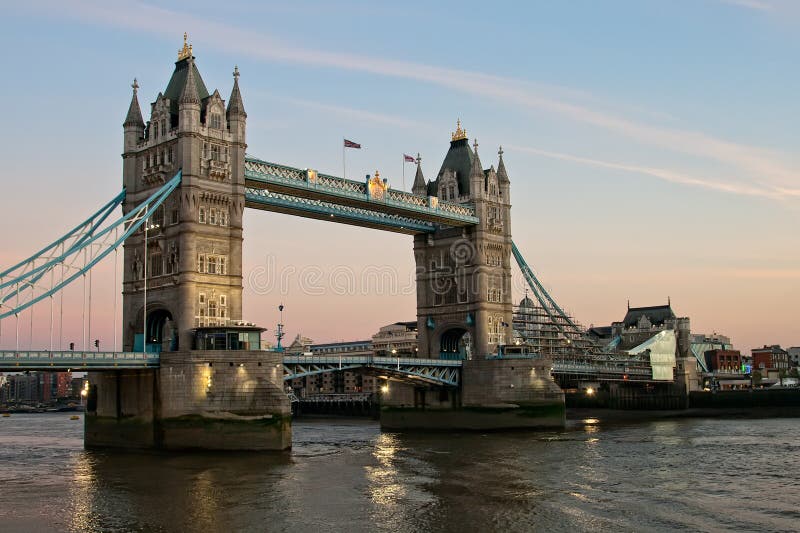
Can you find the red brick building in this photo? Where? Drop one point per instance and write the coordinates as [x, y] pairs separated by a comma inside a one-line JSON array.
[[724, 360], [770, 358]]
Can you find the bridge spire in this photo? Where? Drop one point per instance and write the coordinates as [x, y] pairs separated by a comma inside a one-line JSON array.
[[189, 93], [419, 188], [502, 176], [235, 104], [134, 117]]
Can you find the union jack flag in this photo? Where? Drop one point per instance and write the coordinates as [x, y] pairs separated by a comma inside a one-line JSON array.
[[409, 159], [351, 144]]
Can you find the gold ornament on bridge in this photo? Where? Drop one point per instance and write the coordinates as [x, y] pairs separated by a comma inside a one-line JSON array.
[[186, 51], [459, 133], [377, 187]]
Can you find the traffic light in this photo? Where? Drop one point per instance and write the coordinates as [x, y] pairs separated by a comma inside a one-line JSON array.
[[72, 347], [97, 343]]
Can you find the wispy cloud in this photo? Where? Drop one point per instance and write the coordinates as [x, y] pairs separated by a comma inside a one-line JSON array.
[[759, 5], [764, 168], [354, 114], [662, 174]]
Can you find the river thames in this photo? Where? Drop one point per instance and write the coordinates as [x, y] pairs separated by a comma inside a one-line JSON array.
[[345, 475]]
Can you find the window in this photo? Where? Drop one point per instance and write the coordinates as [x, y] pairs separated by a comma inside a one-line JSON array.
[[211, 263], [156, 267], [163, 126], [212, 309], [215, 152], [175, 217], [201, 215], [216, 121], [223, 300], [222, 267], [212, 216], [155, 130], [202, 298], [201, 263], [171, 154], [223, 218]]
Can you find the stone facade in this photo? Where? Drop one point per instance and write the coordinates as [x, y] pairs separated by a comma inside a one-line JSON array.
[[193, 266], [464, 304]]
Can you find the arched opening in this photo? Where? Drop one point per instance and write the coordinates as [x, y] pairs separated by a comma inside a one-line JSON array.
[[455, 343], [161, 335]]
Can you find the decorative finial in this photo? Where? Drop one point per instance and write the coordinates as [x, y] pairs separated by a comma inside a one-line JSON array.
[[419, 158], [475, 146], [186, 51], [500, 152], [377, 175], [135, 85], [459, 133], [236, 72]]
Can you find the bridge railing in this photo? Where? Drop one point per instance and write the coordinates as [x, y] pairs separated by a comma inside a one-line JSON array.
[[367, 359], [600, 368], [77, 359], [259, 170]]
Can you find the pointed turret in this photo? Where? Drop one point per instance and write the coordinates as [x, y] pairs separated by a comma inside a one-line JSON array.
[[237, 118], [477, 179], [134, 117], [189, 92], [189, 101], [133, 126], [502, 176], [476, 171], [235, 103], [420, 188]]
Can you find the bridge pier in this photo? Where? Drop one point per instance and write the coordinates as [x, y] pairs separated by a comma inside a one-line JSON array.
[[209, 400], [495, 394]]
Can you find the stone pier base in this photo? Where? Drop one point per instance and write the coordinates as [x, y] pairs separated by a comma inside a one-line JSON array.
[[200, 400], [496, 394]]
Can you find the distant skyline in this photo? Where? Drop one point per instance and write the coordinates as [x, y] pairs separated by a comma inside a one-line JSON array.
[[651, 145]]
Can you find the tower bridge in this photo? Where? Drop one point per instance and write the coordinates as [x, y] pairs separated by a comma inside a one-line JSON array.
[[190, 372]]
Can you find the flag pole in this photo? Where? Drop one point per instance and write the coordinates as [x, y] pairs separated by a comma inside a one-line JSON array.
[[344, 168], [404, 171]]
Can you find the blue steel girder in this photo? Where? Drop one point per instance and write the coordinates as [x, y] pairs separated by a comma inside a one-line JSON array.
[[433, 371], [78, 361], [321, 210], [27, 285], [309, 184]]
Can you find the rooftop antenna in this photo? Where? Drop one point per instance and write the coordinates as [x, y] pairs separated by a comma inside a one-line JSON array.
[[279, 331]]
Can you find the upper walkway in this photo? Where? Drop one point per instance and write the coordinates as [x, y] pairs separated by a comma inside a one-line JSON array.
[[370, 203]]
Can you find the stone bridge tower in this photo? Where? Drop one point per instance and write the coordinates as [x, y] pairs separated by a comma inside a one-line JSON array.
[[464, 274], [193, 265]]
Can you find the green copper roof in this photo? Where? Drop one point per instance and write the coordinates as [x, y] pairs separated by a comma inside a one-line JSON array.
[[178, 80], [458, 158]]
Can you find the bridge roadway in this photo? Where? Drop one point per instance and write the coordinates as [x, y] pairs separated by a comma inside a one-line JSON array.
[[433, 371]]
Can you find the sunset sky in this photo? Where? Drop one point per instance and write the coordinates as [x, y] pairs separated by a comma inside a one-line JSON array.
[[652, 145]]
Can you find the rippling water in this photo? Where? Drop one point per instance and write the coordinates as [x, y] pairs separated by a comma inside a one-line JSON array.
[[342, 475]]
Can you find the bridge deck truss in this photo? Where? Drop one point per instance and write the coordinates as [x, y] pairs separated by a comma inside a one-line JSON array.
[[432, 371]]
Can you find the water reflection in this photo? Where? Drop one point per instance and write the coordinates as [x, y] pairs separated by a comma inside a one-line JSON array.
[[347, 476]]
